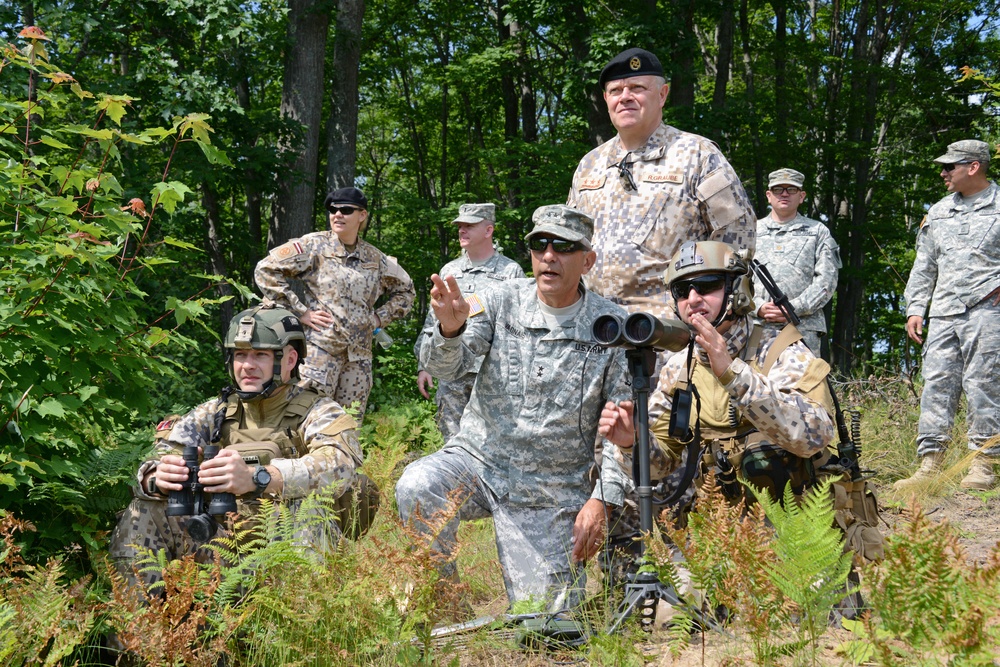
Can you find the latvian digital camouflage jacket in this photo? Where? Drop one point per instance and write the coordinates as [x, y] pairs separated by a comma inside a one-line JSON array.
[[345, 284]]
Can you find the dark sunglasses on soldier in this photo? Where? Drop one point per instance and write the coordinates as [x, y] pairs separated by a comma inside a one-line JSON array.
[[681, 289], [948, 168], [343, 210], [561, 246]]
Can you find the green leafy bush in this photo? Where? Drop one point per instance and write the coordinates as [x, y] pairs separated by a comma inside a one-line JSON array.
[[79, 354]]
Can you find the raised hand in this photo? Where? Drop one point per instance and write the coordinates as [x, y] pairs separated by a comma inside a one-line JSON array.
[[449, 305]]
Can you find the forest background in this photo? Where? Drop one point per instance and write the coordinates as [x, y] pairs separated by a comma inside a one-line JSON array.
[[425, 104]]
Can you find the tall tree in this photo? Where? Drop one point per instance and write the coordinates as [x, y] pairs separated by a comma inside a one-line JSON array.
[[342, 125]]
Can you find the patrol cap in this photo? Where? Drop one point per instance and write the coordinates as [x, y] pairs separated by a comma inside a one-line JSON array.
[[967, 150], [631, 62], [476, 213], [346, 197], [562, 222], [785, 177]]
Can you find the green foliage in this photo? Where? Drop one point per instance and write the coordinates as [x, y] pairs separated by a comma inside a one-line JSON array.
[[811, 566], [929, 602], [78, 354]]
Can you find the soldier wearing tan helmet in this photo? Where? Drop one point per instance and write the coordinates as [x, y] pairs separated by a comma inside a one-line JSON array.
[[764, 404], [277, 439]]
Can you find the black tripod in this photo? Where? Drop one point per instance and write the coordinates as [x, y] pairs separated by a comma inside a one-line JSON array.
[[645, 590]]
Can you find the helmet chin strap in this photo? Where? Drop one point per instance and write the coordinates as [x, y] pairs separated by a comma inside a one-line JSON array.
[[726, 312], [269, 387]]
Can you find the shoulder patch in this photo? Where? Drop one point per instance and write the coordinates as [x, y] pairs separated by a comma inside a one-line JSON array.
[[167, 423], [660, 177], [290, 249], [475, 305], [592, 182]]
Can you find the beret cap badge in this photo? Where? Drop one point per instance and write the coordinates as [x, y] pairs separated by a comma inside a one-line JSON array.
[[635, 63]]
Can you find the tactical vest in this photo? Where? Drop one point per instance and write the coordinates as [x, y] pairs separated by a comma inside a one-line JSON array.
[[735, 446], [276, 436]]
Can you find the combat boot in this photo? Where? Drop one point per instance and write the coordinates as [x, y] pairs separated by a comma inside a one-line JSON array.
[[980, 475], [930, 466]]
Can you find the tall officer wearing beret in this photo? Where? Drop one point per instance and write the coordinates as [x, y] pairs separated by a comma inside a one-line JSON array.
[[478, 268], [651, 188], [343, 277], [526, 443], [801, 255], [955, 281]]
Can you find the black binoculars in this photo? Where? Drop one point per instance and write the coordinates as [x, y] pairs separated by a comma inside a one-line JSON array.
[[191, 500], [641, 330]]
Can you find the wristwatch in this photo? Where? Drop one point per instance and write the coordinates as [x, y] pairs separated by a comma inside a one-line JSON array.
[[261, 477]]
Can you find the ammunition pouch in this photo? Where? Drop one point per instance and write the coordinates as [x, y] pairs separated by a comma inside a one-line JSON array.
[[857, 515], [256, 453]]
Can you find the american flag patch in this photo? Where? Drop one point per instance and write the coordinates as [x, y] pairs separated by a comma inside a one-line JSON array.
[[475, 304]]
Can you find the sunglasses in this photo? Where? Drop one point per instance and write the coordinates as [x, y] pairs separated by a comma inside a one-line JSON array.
[[782, 189], [625, 174], [343, 210], [948, 168], [681, 289], [561, 246]]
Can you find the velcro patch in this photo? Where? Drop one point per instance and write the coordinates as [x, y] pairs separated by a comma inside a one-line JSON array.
[[659, 177], [475, 304], [592, 183], [166, 424], [290, 249]]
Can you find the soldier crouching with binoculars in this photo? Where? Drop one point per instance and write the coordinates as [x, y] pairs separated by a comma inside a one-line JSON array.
[[265, 436]]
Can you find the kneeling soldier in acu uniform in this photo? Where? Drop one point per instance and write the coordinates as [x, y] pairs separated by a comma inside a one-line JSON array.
[[277, 439], [764, 402]]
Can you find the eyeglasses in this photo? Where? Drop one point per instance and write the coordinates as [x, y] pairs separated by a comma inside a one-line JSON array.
[[948, 168], [561, 246], [625, 173], [343, 210], [782, 189], [681, 289]]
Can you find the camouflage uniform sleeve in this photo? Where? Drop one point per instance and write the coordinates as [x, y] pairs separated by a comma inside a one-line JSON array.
[[450, 358], [333, 453], [513, 271], [824, 282], [424, 337], [923, 275], [289, 260], [194, 428], [664, 451], [398, 287], [778, 405], [726, 206]]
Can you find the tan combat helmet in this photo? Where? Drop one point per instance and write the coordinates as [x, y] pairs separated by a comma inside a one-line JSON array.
[[265, 327], [703, 257]]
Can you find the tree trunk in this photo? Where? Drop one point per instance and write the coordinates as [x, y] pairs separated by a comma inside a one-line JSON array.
[[342, 125], [724, 61], [301, 106], [216, 258]]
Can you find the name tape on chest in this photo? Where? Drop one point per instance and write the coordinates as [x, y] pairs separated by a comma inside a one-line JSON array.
[[659, 177]]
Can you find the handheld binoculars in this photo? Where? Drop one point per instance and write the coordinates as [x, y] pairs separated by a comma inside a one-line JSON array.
[[192, 501]]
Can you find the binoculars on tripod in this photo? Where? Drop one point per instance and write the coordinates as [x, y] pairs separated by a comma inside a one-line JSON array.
[[641, 330], [192, 501]]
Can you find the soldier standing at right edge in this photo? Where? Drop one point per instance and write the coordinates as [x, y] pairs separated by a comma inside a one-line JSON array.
[[957, 274]]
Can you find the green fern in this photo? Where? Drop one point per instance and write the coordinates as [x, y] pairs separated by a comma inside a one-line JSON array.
[[811, 568]]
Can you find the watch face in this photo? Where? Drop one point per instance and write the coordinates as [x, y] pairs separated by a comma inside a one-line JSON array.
[[261, 477]]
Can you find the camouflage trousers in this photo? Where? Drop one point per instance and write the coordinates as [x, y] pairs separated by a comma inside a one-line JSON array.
[[961, 352], [533, 543], [451, 399], [144, 526], [333, 375]]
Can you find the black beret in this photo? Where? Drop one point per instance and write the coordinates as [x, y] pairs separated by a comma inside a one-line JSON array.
[[348, 196], [632, 62]]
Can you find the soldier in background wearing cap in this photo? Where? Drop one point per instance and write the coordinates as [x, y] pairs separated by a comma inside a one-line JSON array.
[[525, 448], [343, 277], [955, 280], [801, 255], [651, 188], [478, 267]]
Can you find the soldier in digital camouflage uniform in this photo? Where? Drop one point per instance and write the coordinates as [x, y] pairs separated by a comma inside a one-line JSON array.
[[764, 404], [955, 281], [343, 277], [280, 440], [651, 188], [478, 268], [526, 443], [800, 254]]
